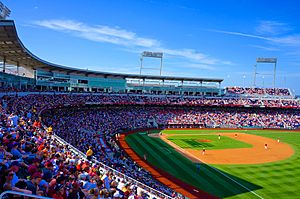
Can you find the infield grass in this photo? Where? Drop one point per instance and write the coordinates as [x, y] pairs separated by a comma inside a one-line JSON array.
[[270, 180], [207, 142]]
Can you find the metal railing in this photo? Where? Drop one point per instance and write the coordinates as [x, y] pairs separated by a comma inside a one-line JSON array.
[[2, 195], [152, 192]]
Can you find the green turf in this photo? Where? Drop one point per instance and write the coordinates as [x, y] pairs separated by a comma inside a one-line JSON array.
[[194, 142], [270, 180], [204, 131], [280, 179]]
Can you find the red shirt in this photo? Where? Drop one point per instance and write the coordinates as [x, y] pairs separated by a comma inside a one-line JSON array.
[[32, 169]]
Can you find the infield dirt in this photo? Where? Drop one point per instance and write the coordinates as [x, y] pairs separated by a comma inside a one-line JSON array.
[[275, 151]]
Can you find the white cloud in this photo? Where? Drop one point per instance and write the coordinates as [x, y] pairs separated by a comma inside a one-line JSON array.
[[190, 54], [128, 39], [265, 48], [271, 31], [288, 40], [200, 66], [98, 33], [272, 28], [240, 34], [227, 63]]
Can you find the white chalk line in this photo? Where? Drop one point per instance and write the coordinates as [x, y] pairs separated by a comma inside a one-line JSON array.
[[184, 151]]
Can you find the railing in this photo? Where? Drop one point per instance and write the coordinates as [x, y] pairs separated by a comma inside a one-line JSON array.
[[142, 186], [2, 195], [151, 191]]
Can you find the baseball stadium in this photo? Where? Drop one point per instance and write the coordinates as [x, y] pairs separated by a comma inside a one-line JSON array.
[[67, 132]]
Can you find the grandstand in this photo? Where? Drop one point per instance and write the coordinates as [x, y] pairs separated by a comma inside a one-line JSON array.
[[260, 92], [37, 125]]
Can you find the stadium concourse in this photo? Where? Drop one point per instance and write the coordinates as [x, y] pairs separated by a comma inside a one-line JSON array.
[[34, 161]]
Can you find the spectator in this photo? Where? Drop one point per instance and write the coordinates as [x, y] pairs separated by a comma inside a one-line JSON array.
[[48, 171], [33, 183], [89, 153]]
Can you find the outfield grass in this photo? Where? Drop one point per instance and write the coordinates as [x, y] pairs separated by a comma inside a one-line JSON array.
[[280, 179], [197, 131], [270, 180], [194, 142]]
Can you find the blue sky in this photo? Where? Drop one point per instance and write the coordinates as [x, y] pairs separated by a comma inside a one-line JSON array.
[[211, 38]]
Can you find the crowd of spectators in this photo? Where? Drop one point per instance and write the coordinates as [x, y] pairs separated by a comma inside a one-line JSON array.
[[32, 161], [98, 128], [49, 101], [114, 119], [258, 91]]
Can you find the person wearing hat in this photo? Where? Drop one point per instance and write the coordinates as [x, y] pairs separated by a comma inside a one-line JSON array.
[[33, 183], [89, 153]]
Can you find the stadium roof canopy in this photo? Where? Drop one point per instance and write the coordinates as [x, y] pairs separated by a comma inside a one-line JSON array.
[[15, 53]]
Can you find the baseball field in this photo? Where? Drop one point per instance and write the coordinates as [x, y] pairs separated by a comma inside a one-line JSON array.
[[234, 164]]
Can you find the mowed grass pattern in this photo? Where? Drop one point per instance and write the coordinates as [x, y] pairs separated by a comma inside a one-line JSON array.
[[270, 180], [279, 179], [196, 142], [165, 157]]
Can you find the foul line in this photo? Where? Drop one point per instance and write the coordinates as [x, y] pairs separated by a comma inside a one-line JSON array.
[[184, 151]]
